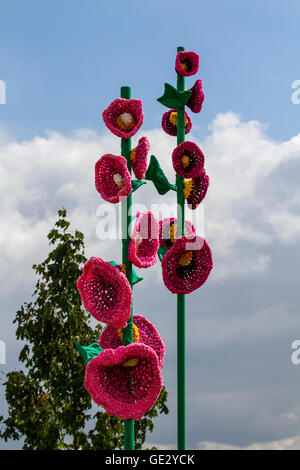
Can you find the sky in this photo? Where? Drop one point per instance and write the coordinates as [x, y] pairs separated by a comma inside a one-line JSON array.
[[63, 63]]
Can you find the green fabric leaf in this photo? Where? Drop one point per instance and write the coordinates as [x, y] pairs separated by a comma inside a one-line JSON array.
[[173, 98], [155, 174], [136, 184], [89, 352], [162, 250], [127, 334], [135, 277]]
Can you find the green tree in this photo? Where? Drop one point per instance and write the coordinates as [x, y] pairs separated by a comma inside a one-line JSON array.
[[48, 405]]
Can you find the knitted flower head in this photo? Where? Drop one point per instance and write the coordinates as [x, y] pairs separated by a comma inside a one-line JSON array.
[[168, 231], [138, 158], [144, 243], [126, 381], [169, 122], [187, 63], [197, 97], [195, 189], [105, 292], [143, 332], [124, 117], [186, 266], [112, 178], [188, 160]]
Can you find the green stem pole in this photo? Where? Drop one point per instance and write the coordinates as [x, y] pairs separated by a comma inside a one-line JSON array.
[[180, 297], [126, 222]]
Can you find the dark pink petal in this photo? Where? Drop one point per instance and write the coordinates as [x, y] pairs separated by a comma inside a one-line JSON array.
[[187, 63], [124, 117], [165, 227], [139, 158], [144, 243], [112, 178], [188, 160], [197, 97], [169, 126]]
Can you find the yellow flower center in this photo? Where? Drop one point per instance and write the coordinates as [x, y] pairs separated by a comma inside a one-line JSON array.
[[186, 258], [173, 232], [188, 188], [123, 268], [185, 160], [119, 180], [184, 65], [173, 119], [136, 335], [133, 155], [131, 362], [125, 121]]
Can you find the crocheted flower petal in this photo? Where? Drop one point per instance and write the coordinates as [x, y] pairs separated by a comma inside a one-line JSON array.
[[124, 117], [187, 63], [139, 158], [168, 231], [169, 122], [105, 292], [112, 178], [147, 333], [144, 243], [186, 266], [197, 97], [127, 392], [195, 189], [188, 160]]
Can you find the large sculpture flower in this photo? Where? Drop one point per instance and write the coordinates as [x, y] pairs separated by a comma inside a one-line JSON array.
[[143, 332], [105, 292], [187, 63], [186, 266], [197, 97], [124, 117], [144, 243], [188, 160], [123, 389], [195, 189], [112, 178], [169, 122], [168, 231], [138, 158]]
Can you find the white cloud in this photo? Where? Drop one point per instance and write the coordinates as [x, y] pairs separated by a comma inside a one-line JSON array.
[[292, 443]]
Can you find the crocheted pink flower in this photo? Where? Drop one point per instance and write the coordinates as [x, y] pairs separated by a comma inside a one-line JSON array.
[[169, 122], [188, 160], [168, 231], [144, 332], [197, 97], [125, 390], [195, 189], [112, 178], [124, 117], [187, 63], [144, 243], [186, 266], [105, 292], [138, 158]]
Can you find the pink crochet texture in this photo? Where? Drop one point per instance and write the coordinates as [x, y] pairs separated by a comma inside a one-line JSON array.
[[186, 266], [138, 157], [188, 160], [112, 178], [168, 231], [127, 392], [197, 97], [169, 122], [144, 243], [105, 292], [148, 335], [195, 189], [124, 117], [187, 63]]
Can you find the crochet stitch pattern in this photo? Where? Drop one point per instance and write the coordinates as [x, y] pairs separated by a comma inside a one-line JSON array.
[[195, 189], [188, 160], [125, 391], [147, 334], [186, 266], [197, 97], [169, 122], [105, 292], [187, 63], [138, 158], [168, 231], [124, 117], [112, 178], [144, 243]]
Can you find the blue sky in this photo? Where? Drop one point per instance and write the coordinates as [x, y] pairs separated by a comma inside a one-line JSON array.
[[63, 63]]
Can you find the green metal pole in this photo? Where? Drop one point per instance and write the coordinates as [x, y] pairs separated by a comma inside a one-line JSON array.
[[181, 439], [126, 221]]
